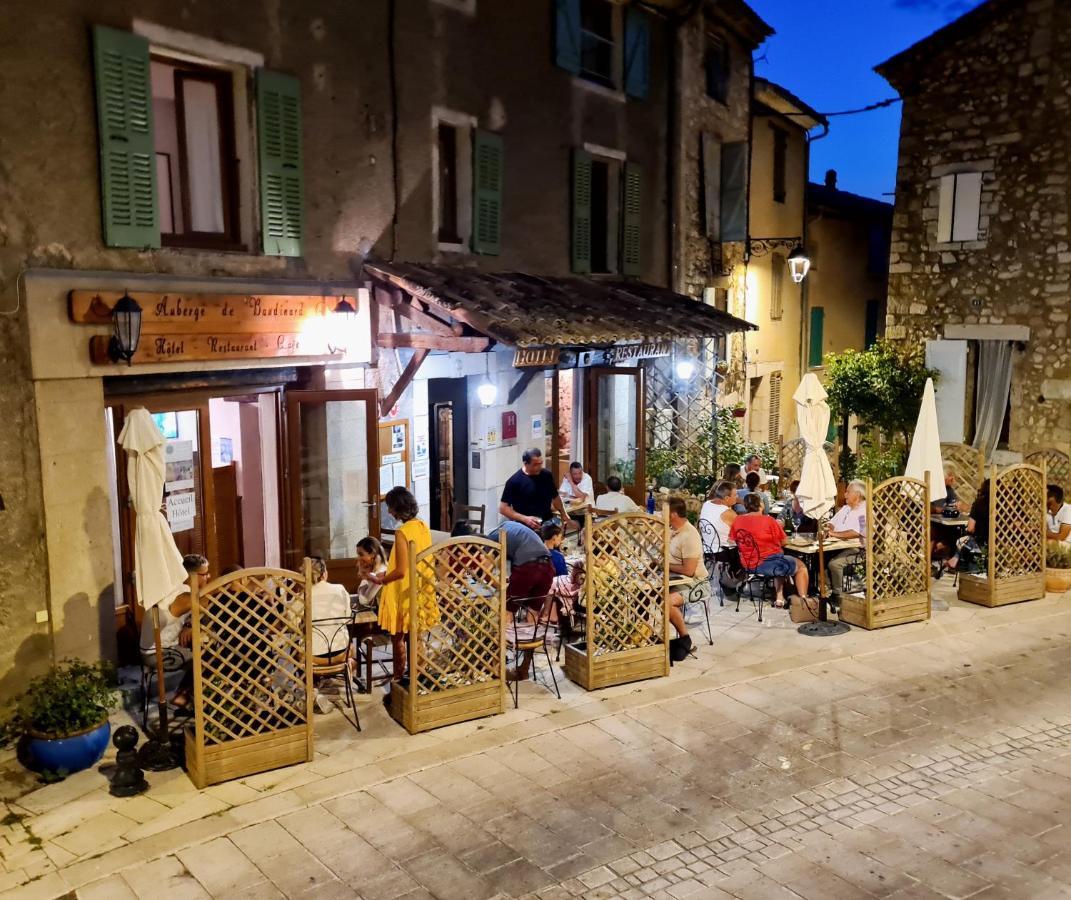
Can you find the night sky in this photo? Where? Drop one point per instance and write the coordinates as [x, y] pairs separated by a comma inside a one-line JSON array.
[[824, 52]]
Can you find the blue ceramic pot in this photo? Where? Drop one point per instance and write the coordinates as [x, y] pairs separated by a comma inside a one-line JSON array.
[[70, 754]]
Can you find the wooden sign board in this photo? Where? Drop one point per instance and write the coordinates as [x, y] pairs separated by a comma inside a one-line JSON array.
[[198, 327], [535, 357]]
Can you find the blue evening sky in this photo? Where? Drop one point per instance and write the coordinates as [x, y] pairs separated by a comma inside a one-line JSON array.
[[824, 52]]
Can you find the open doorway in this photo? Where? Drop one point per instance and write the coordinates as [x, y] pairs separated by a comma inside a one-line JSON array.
[[448, 417]]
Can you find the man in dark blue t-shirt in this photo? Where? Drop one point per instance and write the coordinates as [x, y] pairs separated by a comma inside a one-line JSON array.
[[530, 493]]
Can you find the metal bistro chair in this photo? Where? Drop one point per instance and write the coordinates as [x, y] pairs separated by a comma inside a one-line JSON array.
[[330, 631], [530, 637], [174, 661], [855, 572], [749, 549]]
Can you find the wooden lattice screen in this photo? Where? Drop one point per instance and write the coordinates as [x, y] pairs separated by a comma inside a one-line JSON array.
[[457, 663], [1057, 466], [790, 459], [625, 590], [252, 678], [968, 464], [897, 556], [1017, 522]]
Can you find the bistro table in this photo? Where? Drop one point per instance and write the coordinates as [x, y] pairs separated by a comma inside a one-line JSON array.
[[807, 550], [958, 522]]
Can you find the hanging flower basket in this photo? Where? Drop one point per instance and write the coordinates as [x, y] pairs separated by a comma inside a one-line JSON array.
[[739, 411]]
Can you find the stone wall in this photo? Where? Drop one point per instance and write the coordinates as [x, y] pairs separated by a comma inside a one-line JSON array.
[[996, 99]]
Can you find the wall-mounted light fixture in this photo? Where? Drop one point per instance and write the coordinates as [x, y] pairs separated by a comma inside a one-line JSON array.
[[126, 325]]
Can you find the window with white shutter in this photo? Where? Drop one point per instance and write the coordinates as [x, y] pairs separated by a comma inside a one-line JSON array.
[[959, 207]]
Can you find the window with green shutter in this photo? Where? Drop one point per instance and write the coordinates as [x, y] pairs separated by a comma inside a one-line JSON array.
[[631, 231], [581, 215], [127, 156], [487, 193], [734, 167], [282, 183], [637, 52], [818, 320], [567, 35]]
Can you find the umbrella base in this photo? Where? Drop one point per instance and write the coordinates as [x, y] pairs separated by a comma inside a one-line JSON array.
[[157, 757], [823, 629]]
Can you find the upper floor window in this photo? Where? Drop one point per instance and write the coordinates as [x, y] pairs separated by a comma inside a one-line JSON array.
[[959, 206], [604, 43], [598, 41], [716, 62], [196, 164], [606, 215], [780, 157], [449, 136]]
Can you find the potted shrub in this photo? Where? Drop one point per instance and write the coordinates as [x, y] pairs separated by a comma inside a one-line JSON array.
[[739, 410], [721, 366], [1057, 566], [61, 719]]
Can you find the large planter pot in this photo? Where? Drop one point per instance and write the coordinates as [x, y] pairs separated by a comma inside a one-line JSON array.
[[72, 753], [1057, 580]]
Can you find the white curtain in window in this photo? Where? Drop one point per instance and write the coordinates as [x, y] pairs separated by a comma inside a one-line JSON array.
[[994, 386], [204, 166]]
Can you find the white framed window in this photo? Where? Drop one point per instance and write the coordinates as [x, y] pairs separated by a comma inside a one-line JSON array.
[[959, 207], [451, 179], [600, 42]]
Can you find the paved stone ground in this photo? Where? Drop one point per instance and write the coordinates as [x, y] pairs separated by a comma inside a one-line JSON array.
[[929, 760]]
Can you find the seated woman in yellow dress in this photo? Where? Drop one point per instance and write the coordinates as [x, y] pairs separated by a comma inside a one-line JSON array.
[[394, 599]]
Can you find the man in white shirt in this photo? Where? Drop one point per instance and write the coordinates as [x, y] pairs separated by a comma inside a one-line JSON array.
[[720, 513], [577, 486], [754, 464], [1059, 515], [849, 524], [614, 500]]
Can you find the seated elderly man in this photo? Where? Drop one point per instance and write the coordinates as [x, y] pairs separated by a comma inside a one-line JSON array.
[[615, 500], [849, 524], [685, 561]]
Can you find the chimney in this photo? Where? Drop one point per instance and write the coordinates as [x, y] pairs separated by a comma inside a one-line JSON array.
[[831, 179]]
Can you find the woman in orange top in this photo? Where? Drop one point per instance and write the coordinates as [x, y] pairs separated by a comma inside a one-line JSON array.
[[394, 598]]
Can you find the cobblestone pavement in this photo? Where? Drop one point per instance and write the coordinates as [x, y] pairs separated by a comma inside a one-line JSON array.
[[922, 761]]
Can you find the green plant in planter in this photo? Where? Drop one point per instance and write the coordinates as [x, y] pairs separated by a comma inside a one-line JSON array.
[[1057, 555], [72, 697]]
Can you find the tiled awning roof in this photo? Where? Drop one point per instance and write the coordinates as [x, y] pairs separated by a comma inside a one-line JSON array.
[[534, 310]]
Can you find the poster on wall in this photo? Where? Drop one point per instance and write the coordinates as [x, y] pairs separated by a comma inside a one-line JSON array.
[[420, 470], [421, 451], [167, 423], [178, 471], [537, 427], [399, 474], [397, 437], [181, 511], [492, 438]]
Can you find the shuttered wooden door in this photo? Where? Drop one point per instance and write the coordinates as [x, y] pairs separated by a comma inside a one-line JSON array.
[[581, 216], [127, 155], [631, 225], [282, 183], [487, 162]]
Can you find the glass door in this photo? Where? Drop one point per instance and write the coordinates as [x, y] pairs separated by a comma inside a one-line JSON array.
[[332, 478], [615, 428]]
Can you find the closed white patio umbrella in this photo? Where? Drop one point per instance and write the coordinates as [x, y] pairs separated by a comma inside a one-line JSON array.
[[925, 456], [817, 491], [159, 576]]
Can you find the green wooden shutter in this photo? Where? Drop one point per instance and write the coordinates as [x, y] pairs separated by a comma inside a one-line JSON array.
[[487, 193], [127, 154], [567, 35], [734, 191], [282, 182], [818, 320], [711, 152], [637, 52], [631, 231], [581, 224]]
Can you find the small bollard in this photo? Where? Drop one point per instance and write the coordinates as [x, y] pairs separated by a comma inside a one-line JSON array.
[[128, 779]]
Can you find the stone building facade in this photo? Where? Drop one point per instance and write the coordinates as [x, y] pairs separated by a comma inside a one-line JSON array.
[[980, 248], [379, 95]]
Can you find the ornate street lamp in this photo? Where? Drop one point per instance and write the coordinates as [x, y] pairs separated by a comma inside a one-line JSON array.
[[487, 392], [799, 264], [126, 325]]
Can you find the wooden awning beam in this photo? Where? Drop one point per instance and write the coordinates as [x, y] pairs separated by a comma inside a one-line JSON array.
[[414, 311], [521, 384], [404, 380], [412, 340]]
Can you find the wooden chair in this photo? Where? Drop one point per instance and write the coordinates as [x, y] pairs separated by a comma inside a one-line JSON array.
[[329, 631], [475, 516], [529, 637]]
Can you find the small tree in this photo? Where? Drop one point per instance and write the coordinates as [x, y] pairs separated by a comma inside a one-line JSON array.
[[881, 386]]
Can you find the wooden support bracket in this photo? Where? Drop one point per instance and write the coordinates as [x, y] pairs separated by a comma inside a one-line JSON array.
[[521, 384], [404, 380]]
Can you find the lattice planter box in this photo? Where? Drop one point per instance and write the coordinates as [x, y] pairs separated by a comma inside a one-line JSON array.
[[252, 675], [1016, 549], [625, 590], [457, 664], [897, 572]]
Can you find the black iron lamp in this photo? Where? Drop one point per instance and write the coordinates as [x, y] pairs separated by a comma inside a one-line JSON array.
[[345, 308], [126, 323]]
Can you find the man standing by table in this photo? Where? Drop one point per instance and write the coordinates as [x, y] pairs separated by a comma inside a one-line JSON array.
[[530, 496]]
